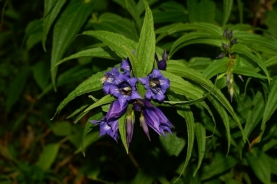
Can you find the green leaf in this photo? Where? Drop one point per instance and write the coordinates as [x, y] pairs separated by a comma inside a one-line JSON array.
[[41, 74], [172, 144], [67, 26], [94, 52], [199, 63], [200, 133], [271, 105], [225, 118], [218, 66], [77, 111], [240, 7], [91, 138], [89, 85], [105, 100], [114, 41], [133, 10], [256, 114], [62, 128], [183, 71], [259, 163], [136, 65], [246, 72], [122, 131], [51, 11], [227, 8], [218, 165], [170, 12], [212, 29], [48, 156], [271, 61], [16, 87], [203, 11], [186, 113], [117, 24], [195, 37], [142, 177], [251, 40], [146, 44]]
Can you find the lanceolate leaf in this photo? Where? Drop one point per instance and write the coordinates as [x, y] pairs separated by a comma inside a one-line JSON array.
[[271, 105], [69, 23], [256, 114], [188, 116], [227, 7], [122, 131], [89, 85], [136, 65], [188, 37], [105, 100], [51, 11], [200, 133], [246, 72], [200, 27], [114, 41], [133, 10], [244, 50], [218, 66], [94, 52], [146, 45]]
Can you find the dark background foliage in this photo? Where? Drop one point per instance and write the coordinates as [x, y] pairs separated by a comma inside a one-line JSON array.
[[35, 149]]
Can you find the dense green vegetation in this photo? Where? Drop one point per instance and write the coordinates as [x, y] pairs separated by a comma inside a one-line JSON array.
[[220, 60]]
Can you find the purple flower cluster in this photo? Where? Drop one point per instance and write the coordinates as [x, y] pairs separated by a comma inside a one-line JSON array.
[[123, 86]]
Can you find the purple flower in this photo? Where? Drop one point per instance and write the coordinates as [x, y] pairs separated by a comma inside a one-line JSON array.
[[220, 55], [156, 85], [130, 120], [152, 117], [109, 79], [162, 63], [109, 124], [110, 128], [116, 110], [124, 89], [225, 33], [125, 66]]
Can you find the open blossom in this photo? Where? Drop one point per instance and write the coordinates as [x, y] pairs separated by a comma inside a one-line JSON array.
[[109, 79], [156, 85], [125, 88], [152, 117]]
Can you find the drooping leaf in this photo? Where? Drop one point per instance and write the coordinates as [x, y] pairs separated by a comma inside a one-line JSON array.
[[172, 144], [48, 156], [67, 26], [51, 10], [114, 41], [146, 44], [200, 133]]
